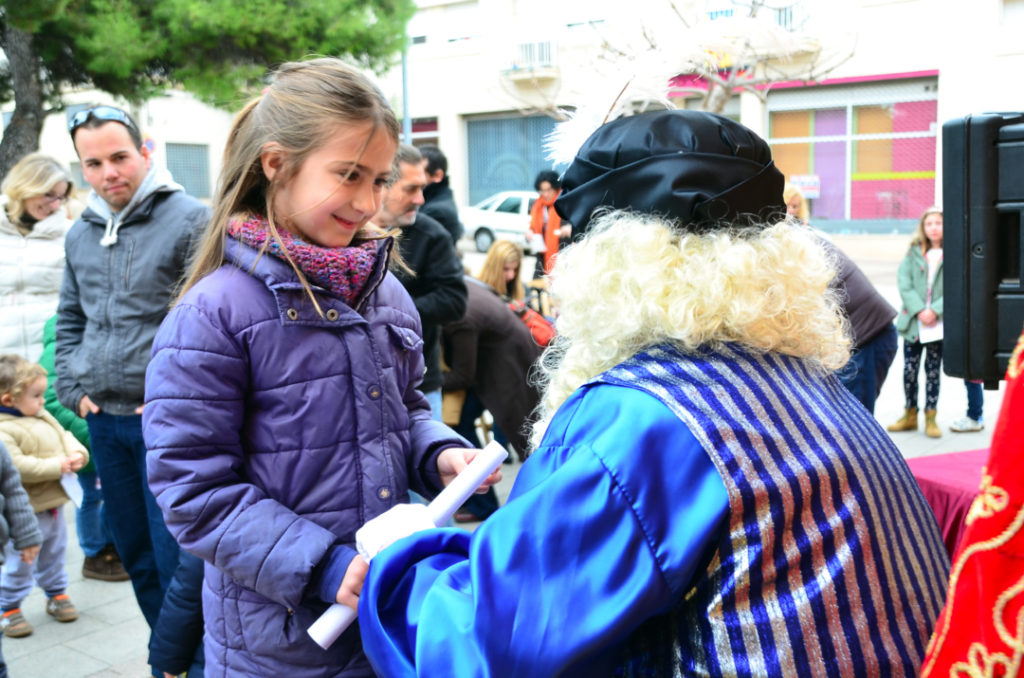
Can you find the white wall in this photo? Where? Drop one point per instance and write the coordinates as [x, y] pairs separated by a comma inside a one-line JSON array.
[[175, 117]]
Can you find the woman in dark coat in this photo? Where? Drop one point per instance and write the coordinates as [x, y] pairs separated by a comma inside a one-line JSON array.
[[491, 351]]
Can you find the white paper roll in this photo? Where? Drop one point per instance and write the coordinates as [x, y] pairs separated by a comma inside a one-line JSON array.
[[337, 618], [331, 624]]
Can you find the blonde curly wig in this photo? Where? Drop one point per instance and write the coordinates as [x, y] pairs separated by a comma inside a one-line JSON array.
[[637, 281]]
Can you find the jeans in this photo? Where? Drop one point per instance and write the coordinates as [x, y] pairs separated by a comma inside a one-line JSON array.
[[435, 399], [864, 375], [975, 400], [147, 550], [90, 519]]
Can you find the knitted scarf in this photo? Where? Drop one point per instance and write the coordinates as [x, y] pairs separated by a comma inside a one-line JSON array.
[[341, 270]]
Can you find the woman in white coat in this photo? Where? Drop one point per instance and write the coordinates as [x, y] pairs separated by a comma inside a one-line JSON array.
[[33, 222]]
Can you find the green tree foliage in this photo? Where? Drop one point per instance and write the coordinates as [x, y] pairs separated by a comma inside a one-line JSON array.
[[217, 49]]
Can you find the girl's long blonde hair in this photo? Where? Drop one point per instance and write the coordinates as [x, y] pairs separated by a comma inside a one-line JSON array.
[[35, 174], [492, 273], [306, 103], [636, 281]]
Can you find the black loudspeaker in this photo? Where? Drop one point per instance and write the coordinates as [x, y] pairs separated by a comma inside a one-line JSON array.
[[983, 218]]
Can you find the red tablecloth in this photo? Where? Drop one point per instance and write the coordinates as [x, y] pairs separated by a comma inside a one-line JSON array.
[[949, 483]]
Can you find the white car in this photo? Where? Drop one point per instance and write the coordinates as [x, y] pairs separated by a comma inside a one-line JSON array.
[[503, 216]]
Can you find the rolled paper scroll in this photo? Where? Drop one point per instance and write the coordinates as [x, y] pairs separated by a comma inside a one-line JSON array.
[[333, 622]]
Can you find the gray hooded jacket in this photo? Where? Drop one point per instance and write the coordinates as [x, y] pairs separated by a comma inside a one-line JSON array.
[[121, 272]]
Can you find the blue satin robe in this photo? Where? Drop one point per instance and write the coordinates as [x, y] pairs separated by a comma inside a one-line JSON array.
[[607, 524]]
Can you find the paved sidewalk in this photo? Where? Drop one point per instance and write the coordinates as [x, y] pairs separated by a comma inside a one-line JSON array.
[[110, 636]]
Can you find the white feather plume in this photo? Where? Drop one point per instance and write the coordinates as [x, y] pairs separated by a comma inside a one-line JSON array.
[[634, 86]]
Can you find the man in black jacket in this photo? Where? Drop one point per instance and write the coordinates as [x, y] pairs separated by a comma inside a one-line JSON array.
[[439, 202], [436, 288]]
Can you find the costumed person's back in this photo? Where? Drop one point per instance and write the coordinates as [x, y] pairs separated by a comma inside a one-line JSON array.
[[705, 497]]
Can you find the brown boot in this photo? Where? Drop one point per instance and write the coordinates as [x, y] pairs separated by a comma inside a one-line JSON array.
[[908, 422], [931, 429], [105, 566]]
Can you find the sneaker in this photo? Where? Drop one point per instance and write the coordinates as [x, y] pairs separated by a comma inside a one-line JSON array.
[[105, 566], [966, 425], [60, 608], [14, 624]]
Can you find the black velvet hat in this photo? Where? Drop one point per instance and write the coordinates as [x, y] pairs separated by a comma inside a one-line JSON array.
[[700, 169]]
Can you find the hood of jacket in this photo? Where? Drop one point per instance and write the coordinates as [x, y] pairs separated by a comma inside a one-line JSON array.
[[157, 180]]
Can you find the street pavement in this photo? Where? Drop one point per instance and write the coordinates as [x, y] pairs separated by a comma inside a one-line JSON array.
[[110, 636]]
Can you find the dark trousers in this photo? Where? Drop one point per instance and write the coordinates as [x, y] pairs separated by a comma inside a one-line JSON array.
[[146, 548], [480, 505], [932, 364], [864, 375]]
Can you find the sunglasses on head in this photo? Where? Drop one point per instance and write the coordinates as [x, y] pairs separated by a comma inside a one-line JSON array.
[[100, 113]]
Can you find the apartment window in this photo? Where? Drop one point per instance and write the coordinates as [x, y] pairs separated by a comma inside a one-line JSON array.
[[189, 164], [534, 55]]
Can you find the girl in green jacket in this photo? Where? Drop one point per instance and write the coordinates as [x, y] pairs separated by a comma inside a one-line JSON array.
[[920, 320]]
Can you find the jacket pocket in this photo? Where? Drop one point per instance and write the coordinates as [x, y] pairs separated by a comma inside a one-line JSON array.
[[129, 250], [404, 339]]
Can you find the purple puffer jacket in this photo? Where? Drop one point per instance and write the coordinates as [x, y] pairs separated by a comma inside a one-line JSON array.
[[273, 434]]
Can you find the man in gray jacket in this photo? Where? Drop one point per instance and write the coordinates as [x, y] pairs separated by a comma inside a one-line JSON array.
[[125, 256]]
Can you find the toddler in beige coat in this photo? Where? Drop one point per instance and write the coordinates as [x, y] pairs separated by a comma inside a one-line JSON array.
[[42, 451]]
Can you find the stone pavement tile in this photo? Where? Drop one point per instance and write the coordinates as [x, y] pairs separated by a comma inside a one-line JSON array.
[[116, 644], [56, 661]]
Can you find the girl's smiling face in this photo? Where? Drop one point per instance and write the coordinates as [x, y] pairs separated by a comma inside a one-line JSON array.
[[337, 189]]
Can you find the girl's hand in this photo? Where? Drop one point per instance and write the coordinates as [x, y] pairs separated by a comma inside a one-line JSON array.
[[927, 317], [452, 461], [352, 583]]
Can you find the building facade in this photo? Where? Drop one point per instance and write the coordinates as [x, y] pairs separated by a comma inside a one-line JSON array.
[[485, 80]]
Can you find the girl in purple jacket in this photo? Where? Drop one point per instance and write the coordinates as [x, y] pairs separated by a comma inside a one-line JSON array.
[[282, 411]]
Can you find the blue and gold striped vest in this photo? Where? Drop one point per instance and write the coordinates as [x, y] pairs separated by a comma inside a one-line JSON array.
[[832, 564]]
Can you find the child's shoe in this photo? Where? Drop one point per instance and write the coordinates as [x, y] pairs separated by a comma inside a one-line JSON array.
[[60, 608], [14, 624]]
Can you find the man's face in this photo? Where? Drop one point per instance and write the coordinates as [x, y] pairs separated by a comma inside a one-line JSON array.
[[431, 178], [403, 199], [111, 163]]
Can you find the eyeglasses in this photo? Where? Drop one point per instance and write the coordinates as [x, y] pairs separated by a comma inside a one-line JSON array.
[[100, 113], [52, 197]]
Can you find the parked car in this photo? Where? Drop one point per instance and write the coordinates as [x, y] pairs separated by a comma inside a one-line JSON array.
[[504, 215]]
